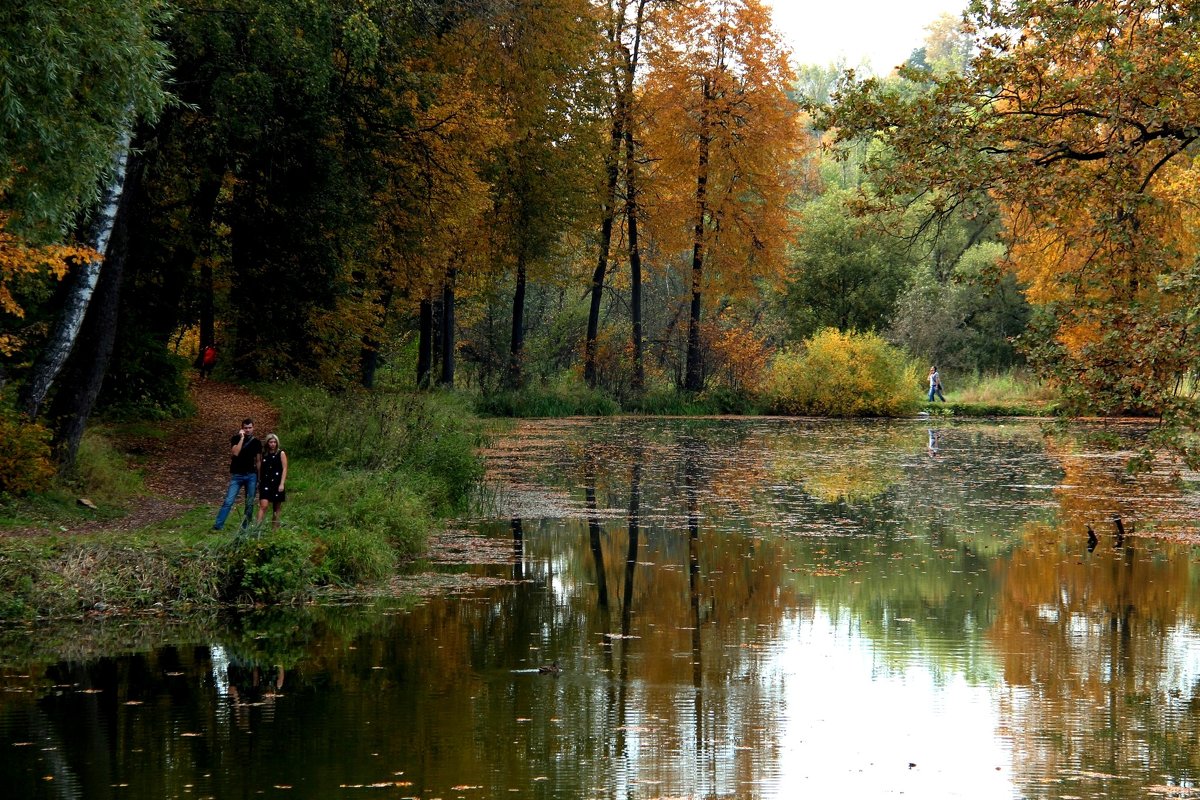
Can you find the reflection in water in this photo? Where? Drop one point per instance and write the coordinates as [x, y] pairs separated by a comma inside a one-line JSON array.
[[805, 607], [518, 540]]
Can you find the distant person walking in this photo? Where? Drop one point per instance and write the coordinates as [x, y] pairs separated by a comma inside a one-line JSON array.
[[935, 384], [272, 481], [245, 459], [206, 360]]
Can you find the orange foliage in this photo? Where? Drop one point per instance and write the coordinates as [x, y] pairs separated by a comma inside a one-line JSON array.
[[720, 74], [19, 258], [736, 356]]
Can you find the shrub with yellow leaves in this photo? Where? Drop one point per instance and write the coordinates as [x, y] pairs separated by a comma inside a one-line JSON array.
[[839, 374], [24, 454]]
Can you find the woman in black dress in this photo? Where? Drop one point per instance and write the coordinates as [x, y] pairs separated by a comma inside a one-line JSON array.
[[272, 480]]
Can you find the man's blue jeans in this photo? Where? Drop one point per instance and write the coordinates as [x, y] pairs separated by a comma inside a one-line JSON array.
[[236, 482]]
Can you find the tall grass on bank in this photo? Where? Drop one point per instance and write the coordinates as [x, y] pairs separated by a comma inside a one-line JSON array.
[[1001, 388], [562, 398], [1008, 394], [373, 471]]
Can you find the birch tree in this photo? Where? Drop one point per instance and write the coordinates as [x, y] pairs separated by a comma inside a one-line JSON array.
[[77, 77]]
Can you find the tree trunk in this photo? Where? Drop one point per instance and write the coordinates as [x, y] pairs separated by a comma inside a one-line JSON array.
[[206, 207], [606, 227], [635, 264], [594, 530], [447, 378], [631, 210], [516, 349], [83, 374], [369, 357], [694, 377], [425, 344], [83, 284]]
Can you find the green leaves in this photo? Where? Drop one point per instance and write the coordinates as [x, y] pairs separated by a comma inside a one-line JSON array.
[[74, 76]]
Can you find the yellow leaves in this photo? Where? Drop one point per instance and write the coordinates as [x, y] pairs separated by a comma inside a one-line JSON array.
[[1077, 251], [24, 455], [843, 374], [738, 355], [436, 195], [19, 258]]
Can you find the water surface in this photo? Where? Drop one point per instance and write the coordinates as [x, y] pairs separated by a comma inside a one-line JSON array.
[[735, 608]]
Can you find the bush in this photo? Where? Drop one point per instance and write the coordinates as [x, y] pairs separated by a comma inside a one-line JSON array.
[[279, 566], [25, 465], [425, 441], [146, 381], [354, 556], [843, 375]]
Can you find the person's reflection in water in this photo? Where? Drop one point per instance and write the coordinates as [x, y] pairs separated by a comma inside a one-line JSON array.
[[250, 688], [933, 443]]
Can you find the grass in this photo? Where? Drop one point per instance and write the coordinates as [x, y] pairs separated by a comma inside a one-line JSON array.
[[558, 399], [371, 476], [102, 475], [1011, 394], [713, 402]]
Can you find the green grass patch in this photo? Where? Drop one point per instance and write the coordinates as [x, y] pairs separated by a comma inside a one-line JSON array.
[[558, 399], [953, 408], [1000, 389], [711, 402], [1005, 394], [101, 474]]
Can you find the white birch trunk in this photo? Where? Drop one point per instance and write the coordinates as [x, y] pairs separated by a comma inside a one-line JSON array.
[[83, 283]]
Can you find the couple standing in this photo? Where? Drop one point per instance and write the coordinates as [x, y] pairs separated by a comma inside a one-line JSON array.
[[248, 461]]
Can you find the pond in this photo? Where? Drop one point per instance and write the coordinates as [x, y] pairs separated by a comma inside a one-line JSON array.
[[714, 608]]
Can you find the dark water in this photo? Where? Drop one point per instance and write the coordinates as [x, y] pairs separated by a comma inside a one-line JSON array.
[[738, 608]]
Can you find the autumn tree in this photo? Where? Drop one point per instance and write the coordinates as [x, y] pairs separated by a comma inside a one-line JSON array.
[[543, 61], [723, 136], [1081, 121]]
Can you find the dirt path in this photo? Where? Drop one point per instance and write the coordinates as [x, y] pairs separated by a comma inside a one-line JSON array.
[[189, 465]]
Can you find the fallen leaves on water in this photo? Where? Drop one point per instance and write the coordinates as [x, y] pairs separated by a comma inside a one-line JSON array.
[[1174, 791], [467, 547]]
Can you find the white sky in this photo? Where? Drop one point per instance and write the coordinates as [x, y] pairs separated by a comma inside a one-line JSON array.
[[884, 32]]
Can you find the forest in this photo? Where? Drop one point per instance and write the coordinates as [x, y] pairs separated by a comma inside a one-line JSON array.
[[616, 201]]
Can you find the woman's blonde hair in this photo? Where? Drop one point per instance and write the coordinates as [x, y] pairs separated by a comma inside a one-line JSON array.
[[271, 436]]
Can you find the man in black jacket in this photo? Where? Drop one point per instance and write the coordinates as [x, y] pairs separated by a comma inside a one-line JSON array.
[[246, 457]]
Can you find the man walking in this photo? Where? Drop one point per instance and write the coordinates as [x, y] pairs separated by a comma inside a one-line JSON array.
[[935, 384], [246, 457]]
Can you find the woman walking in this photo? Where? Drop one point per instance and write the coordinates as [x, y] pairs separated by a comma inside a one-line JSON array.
[[271, 486]]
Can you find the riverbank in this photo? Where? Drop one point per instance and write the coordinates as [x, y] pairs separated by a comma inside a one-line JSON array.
[[371, 475]]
